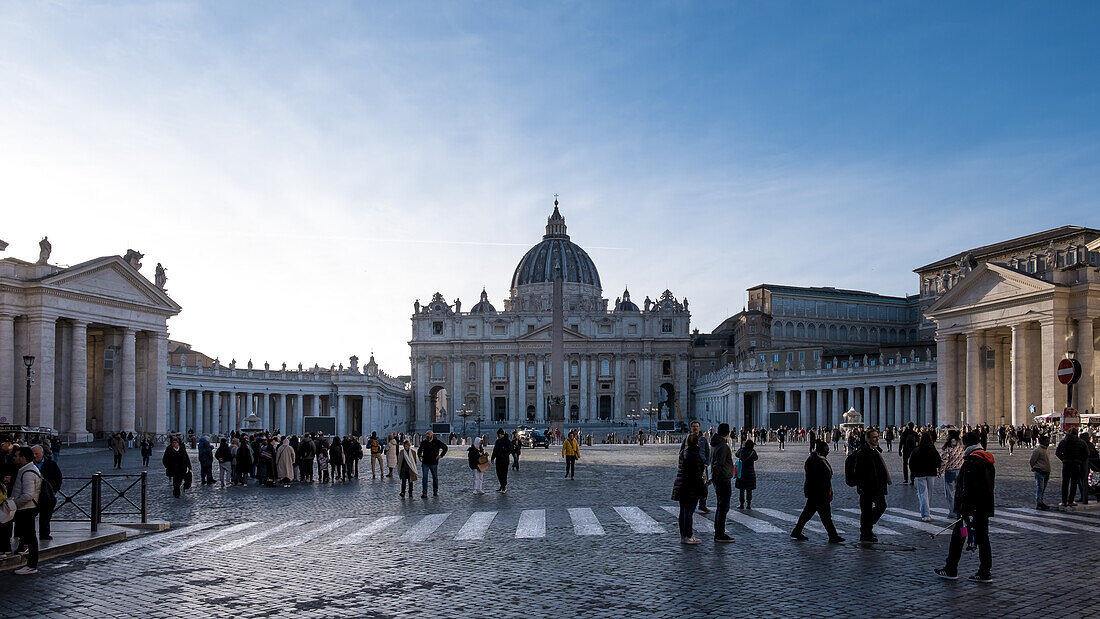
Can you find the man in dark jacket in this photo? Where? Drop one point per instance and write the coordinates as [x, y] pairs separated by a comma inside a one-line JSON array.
[[1091, 462], [907, 445], [430, 451], [1073, 453], [501, 450], [974, 505], [872, 480], [818, 490], [176, 464], [305, 459], [721, 476], [51, 474]]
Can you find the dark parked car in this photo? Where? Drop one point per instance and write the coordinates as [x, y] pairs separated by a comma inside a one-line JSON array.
[[537, 439]]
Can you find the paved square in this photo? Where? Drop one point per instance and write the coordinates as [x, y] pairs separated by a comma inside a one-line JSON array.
[[602, 545]]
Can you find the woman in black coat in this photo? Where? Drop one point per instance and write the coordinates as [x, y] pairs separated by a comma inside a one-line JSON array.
[[176, 464], [746, 478], [689, 487], [244, 462]]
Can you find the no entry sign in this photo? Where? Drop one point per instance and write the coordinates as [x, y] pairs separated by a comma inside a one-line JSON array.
[[1070, 419], [1069, 371]]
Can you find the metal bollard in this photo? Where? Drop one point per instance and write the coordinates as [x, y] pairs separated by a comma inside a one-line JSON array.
[[97, 481], [144, 488]]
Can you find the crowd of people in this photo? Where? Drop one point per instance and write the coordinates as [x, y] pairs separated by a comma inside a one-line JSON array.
[[30, 479]]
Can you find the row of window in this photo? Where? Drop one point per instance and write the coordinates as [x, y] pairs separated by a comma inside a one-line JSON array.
[[500, 369], [631, 329], [835, 309], [790, 330]]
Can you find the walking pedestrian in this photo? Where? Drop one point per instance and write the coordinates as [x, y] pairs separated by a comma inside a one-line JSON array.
[[872, 481], [501, 450], [951, 458], [746, 476], [476, 454], [177, 464], [1073, 453], [47, 501], [407, 467], [431, 450], [571, 451], [1040, 466], [26, 487], [924, 466], [517, 447], [688, 487], [391, 454], [146, 450], [974, 505], [206, 461], [118, 448], [721, 477], [818, 490], [375, 447], [225, 462]]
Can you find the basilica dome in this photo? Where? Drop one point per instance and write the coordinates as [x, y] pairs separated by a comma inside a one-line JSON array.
[[538, 264]]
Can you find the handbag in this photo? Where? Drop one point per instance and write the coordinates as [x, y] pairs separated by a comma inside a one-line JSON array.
[[738, 468], [483, 463], [188, 479], [7, 510]]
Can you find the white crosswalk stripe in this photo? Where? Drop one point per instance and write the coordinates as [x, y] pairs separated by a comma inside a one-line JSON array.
[[927, 527], [423, 530], [754, 524], [202, 539], [1006, 517], [255, 537], [1070, 517], [879, 529], [371, 529], [812, 525], [700, 524], [585, 521], [939, 527], [476, 526], [532, 524], [639, 520], [313, 534], [147, 540]]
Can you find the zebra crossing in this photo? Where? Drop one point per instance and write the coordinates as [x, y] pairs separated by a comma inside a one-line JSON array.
[[537, 524]]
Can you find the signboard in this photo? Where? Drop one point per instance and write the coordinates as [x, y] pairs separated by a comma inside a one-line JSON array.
[[441, 428], [1070, 419], [1069, 371], [666, 425], [325, 425]]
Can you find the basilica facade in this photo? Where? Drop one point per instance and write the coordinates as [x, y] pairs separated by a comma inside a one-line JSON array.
[[621, 360]]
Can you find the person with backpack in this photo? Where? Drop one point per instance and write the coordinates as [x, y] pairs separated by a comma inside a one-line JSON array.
[[517, 448], [924, 466], [375, 447], [502, 449], [866, 470], [721, 477], [974, 505], [818, 490], [25, 496], [51, 473], [146, 450], [306, 453]]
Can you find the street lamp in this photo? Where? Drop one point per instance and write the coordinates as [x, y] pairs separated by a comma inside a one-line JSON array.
[[479, 419], [649, 413], [464, 414], [28, 360]]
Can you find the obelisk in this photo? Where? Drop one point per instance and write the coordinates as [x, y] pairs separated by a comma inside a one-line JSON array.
[[557, 356]]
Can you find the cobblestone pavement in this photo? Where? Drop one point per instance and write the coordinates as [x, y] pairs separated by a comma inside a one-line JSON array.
[[601, 545]]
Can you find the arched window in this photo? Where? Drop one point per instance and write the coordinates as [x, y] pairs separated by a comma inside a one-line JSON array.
[[800, 331], [893, 336], [632, 368], [811, 332], [912, 335], [788, 329], [863, 334], [471, 370], [498, 369], [574, 369], [832, 332], [843, 332], [437, 370], [605, 367], [777, 328], [874, 334], [530, 370]]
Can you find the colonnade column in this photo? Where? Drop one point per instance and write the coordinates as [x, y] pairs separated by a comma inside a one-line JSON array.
[[159, 350], [929, 405], [129, 379], [1086, 354], [947, 354], [7, 367], [42, 332], [974, 392], [78, 382], [1019, 374], [819, 410], [200, 426], [280, 413], [342, 413], [1053, 346], [913, 404], [834, 414], [181, 411]]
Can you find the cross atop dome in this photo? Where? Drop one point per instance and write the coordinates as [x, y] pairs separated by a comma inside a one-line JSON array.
[[555, 224]]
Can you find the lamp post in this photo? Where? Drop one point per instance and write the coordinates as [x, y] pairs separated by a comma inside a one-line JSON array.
[[28, 360], [464, 414], [649, 413], [479, 419]]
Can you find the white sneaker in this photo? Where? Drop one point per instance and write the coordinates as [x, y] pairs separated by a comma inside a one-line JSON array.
[[926, 518], [23, 571], [690, 541]]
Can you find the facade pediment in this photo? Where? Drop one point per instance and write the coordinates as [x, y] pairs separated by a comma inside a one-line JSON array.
[[542, 334], [111, 279], [988, 284]]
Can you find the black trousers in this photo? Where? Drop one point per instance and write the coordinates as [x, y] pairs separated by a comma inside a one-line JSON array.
[[822, 509], [905, 464], [1071, 477], [5, 535], [1083, 483], [871, 508], [502, 472], [177, 482], [45, 514], [723, 493], [570, 466], [24, 530], [703, 499], [979, 529], [118, 461]]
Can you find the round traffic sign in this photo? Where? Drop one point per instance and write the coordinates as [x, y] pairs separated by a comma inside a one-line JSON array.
[[1070, 419], [1069, 371]]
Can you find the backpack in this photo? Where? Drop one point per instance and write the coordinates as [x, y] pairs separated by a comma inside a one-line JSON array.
[[46, 496], [851, 478]]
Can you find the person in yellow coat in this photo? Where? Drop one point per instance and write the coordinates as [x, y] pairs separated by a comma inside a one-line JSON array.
[[571, 451]]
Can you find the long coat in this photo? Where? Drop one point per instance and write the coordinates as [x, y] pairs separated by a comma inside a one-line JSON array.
[[284, 462], [391, 453], [747, 480], [689, 483], [176, 461]]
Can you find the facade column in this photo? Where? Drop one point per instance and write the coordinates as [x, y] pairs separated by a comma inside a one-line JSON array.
[[78, 383], [181, 411], [42, 333], [129, 379], [583, 404], [342, 414], [947, 355], [280, 413], [1053, 338], [913, 404], [619, 409], [7, 368], [517, 391], [1083, 391], [975, 402], [540, 414], [834, 414], [200, 426], [1019, 375], [486, 390]]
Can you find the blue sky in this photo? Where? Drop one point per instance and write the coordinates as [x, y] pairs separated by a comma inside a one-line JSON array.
[[306, 170]]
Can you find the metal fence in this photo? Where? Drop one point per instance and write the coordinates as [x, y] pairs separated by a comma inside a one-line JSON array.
[[103, 495]]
